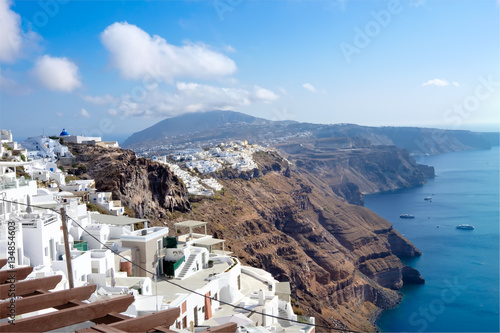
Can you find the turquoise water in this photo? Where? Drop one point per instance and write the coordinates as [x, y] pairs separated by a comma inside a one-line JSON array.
[[461, 267]]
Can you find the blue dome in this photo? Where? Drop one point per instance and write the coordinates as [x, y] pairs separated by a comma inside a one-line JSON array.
[[64, 133]]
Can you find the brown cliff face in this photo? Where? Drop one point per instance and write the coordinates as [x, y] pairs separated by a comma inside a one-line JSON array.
[[148, 188], [339, 258], [355, 170]]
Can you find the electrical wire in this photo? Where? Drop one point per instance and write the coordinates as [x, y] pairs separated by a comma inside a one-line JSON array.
[[176, 284]]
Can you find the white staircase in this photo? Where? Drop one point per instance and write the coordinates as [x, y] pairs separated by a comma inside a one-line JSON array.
[[187, 266], [282, 313]]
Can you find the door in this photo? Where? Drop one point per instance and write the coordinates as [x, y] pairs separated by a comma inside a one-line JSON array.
[[51, 249]]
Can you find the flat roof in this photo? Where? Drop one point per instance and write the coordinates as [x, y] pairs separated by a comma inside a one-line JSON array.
[[116, 220], [283, 288], [14, 164], [208, 241], [190, 224]]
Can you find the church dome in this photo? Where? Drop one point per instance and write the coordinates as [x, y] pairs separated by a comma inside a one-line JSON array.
[[64, 133]]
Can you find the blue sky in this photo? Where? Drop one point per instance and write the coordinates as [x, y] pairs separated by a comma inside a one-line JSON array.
[[111, 68]]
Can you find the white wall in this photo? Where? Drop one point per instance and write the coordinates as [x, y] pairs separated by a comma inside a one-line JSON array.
[[100, 231], [81, 266], [37, 241]]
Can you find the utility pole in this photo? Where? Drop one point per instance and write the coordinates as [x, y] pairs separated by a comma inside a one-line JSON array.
[[66, 248]]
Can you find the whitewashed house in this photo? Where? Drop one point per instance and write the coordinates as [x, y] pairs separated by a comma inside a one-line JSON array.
[[44, 147]]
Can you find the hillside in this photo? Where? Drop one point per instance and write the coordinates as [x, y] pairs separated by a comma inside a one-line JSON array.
[[342, 260], [192, 123]]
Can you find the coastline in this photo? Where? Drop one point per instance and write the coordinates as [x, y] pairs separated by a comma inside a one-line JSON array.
[[435, 233]]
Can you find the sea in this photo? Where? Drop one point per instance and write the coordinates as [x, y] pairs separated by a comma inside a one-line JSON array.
[[460, 267]]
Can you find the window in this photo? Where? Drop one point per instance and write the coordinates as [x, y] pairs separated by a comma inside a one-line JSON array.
[[46, 250], [95, 270], [158, 244]]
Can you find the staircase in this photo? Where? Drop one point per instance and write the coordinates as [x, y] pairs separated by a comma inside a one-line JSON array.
[[187, 266], [109, 243], [282, 313]]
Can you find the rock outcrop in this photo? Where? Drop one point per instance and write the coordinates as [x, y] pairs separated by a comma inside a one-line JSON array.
[[148, 188]]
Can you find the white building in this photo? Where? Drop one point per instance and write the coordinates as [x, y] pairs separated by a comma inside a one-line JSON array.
[[44, 147], [104, 200], [46, 171], [80, 138]]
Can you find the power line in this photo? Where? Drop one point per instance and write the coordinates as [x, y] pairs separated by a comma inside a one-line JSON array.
[[178, 285]]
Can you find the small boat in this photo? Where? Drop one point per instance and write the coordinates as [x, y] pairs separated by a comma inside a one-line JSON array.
[[406, 216], [428, 198], [465, 227]]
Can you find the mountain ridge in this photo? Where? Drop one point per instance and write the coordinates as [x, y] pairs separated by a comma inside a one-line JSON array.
[[194, 130]]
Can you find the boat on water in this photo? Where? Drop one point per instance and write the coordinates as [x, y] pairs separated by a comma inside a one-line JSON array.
[[428, 198], [406, 216], [465, 227]]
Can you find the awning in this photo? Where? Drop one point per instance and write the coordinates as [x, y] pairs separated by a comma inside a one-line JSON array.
[[115, 220], [190, 224], [208, 241]]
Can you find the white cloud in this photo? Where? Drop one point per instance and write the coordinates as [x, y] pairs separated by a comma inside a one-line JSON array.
[[57, 73], [98, 100], [309, 87], [139, 56], [456, 84], [59, 114], [11, 36], [13, 40], [190, 97], [85, 113], [265, 95], [437, 83]]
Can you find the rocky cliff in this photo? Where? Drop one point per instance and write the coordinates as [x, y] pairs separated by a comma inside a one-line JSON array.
[[148, 188], [355, 168], [341, 259]]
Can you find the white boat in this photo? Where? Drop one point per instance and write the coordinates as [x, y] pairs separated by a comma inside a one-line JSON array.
[[465, 227], [428, 198], [406, 216]]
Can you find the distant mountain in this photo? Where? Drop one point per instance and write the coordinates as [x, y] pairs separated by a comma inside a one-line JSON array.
[[192, 123], [202, 129]]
